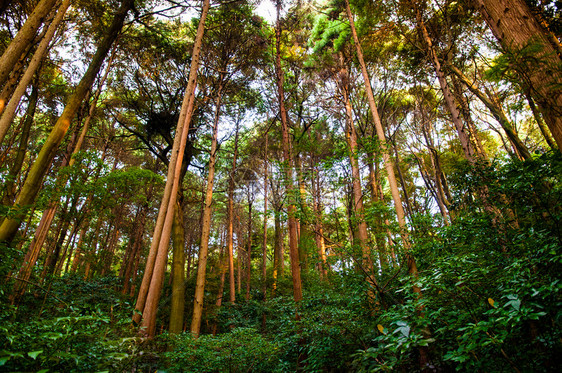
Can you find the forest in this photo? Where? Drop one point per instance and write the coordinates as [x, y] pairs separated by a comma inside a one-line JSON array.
[[280, 186]]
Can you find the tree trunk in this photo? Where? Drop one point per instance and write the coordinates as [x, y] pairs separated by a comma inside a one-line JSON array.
[[23, 38], [264, 242], [32, 184], [230, 222], [380, 224], [249, 251], [136, 245], [516, 28], [291, 208], [9, 111], [206, 226], [389, 166], [178, 272], [318, 226], [149, 292], [540, 121], [467, 146], [357, 211], [15, 169], [495, 108]]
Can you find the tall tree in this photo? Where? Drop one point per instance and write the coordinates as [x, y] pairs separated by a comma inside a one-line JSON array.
[[24, 36], [151, 287], [288, 164], [537, 52], [30, 188]]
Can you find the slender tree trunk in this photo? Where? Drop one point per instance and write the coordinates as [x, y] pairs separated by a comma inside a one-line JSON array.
[[32, 184], [358, 214], [230, 222], [136, 245], [540, 121], [264, 242], [23, 38], [109, 250], [15, 169], [178, 272], [380, 224], [319, 231], [389, 166], [149, 292], [515, 27], [69, 242], [249, 251], [9, 111], [206, 227], [291, 208], [467, 146], [412, 267], [495, 108]]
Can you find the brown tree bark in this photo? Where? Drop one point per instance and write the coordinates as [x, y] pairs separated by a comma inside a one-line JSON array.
[[288, 166], [32, 184], [23, 38], [462, 132], [389, 166], [358, 214], [149, 292], [264, 242], [249, 244], [15, 168], [206, 225], [495, 108], [517, 28], [136, 245], [230, 221], [318, 226], [9, 111]]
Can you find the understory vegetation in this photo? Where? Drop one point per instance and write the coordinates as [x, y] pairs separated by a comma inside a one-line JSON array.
[[491, 302]]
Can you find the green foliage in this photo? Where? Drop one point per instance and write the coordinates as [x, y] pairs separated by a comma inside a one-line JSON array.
[[78, 326], [241, 350]]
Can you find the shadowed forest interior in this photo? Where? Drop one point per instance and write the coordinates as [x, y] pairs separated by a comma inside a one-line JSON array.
[[280, 186]]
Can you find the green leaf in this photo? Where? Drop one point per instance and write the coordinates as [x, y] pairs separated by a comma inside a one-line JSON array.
[[4, 360], [34, 354]]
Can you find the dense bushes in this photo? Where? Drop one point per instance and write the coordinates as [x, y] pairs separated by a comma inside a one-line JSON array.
[[490, 301]]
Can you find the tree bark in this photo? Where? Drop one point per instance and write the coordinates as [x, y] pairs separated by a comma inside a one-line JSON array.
[[264, 242], [15, 169], [23, 38], [32, 184], [206, 227], [178, 272], [230, 222], [467, 146], [495, 108], [291, 208], [9, 111], [517, 29], [149, 292], [358, 214]]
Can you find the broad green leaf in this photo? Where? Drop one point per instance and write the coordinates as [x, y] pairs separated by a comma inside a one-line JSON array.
[[34, 354]]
